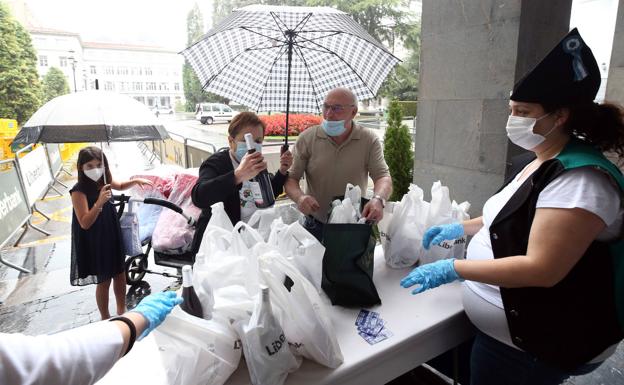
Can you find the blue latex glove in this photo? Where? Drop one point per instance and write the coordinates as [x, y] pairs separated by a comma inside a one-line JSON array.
[[436, 234], [155, 307], [431, 275]]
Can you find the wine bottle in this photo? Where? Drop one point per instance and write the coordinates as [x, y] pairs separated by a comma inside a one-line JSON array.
[[191, 302], [261, 183]]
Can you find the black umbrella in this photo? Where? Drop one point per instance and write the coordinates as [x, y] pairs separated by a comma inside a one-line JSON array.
[[91, 116]]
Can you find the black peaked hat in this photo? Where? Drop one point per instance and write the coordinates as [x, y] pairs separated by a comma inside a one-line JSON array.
[[568, 74]]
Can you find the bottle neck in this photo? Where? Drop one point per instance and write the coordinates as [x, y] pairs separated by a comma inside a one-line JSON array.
[[265, 296], [187, 278]]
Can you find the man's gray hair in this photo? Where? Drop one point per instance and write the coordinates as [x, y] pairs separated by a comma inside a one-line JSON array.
[[348, 92]]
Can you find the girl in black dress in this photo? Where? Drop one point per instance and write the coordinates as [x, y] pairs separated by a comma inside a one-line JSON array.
[[97, 249]]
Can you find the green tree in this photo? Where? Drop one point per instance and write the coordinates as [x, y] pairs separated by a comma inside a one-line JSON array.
[[193, 90], [385, 20], [54, 84], [398, 152], [20, 90], [402, 82]]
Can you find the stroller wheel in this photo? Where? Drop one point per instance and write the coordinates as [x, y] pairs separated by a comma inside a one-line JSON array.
[[135, 268]]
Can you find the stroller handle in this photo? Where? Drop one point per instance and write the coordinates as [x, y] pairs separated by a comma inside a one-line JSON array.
[[171, 206], [164, 203], [123, 199]]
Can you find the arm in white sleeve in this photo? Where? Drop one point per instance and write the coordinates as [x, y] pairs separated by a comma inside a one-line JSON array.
[[77, 356]]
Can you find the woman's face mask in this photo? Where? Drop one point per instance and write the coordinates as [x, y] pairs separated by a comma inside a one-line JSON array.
[[94, 173], [520, 131], [241, 149]]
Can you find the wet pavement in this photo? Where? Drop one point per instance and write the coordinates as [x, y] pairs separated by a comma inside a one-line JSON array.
[[44, 302]]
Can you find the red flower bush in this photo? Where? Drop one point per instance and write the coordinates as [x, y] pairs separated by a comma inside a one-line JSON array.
[[297, 123]]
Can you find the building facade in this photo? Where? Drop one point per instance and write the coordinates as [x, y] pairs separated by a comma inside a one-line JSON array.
[[152, 75]]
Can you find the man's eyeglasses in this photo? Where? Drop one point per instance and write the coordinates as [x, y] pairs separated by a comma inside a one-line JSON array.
[[336, 107]]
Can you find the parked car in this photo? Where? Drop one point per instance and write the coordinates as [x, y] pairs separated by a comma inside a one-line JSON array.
[[208, 113], [162, 110]]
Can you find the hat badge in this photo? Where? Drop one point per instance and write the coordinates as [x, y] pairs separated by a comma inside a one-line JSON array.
[[573, 46]]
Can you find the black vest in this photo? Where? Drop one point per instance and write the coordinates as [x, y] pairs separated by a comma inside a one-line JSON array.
[[575, 320]]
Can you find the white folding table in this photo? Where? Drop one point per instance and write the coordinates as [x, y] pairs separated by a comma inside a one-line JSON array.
[[424, 326]]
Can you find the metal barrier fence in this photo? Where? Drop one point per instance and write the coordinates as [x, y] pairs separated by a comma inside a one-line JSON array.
[[179, 152], [24, 181]]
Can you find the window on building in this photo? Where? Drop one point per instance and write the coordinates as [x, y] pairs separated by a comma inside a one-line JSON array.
[[93, 70], [140, 99], [138, 86], [122, 70], [109, 70], [151, 101], [109, 86], [176, 86], [150, 86], [165, 101], [163, 87], [43, 60], [63, 61], [148, 71]]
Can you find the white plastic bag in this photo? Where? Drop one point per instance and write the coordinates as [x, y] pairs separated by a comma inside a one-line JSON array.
[[440, 213], [263, 219], [354, 193], [305, 319], [301, 248], [459, 212], [129, 224], [203, 287], [268, 356], [197, 351], [219, 217], [343, 212], [402, 229]]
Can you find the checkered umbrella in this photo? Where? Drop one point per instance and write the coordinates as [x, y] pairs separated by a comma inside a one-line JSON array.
[[280, 58]]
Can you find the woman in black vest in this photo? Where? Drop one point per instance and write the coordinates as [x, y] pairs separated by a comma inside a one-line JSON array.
[[224, 177], [544, 271]]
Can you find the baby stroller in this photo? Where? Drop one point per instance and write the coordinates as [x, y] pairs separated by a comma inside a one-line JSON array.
[[136, 266]]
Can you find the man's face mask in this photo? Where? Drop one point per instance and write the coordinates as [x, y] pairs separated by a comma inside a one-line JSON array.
[[241, 149], [94, 174], [333, 127], [520, 131]]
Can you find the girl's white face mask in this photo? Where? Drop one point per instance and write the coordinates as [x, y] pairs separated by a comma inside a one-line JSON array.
[[94, 174], [520, 131]]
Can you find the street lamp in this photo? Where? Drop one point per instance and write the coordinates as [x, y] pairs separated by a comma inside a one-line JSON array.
[[73, 63]]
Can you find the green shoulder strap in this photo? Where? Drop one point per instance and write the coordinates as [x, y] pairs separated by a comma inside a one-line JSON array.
[[578, 154]]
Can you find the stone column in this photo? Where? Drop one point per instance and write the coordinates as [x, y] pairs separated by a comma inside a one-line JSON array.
[[472, 53], [615, 82]]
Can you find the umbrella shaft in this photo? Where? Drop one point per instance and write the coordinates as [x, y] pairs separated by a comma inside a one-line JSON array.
[[290, 47]]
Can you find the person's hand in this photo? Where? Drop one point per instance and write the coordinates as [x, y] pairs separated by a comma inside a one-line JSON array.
[[250, 166], [307, 204], [373, 210], [436, 234], [142, 182], [105, 195], [286, 160], [155, 307], [431, 275]]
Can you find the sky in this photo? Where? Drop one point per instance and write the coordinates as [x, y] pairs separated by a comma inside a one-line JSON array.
[[163, 22], [150, 22]]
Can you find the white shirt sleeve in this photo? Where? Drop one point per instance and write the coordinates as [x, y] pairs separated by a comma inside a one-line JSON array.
[[585, 188], [77, 356]]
